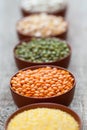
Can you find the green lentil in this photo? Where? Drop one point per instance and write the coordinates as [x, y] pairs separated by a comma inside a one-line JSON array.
[[42, 50]]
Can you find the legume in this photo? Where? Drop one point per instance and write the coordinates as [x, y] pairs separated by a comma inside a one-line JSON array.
[[43, 119], [42, 82], [42, 50], [42, 25]]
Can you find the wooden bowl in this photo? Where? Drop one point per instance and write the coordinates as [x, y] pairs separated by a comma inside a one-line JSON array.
[[64, 98], [46, 105], [64, 62]]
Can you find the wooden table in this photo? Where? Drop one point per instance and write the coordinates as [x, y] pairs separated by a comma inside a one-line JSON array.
[[77, 37]]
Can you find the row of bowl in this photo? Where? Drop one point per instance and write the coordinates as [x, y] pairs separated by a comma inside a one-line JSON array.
[[41, 82]]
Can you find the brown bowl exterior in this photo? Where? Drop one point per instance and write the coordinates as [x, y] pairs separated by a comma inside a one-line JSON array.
[[64, 99], [23, 64], [58, 13], [62, 36], [46, 105]]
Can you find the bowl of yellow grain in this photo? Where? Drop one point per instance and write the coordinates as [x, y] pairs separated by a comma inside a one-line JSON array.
[[44, 116]]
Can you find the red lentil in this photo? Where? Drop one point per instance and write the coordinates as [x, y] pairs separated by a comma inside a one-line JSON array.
[[42, 82]]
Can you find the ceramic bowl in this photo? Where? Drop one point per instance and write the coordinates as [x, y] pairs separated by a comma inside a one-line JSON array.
[[57, 8], [65, 98], [57, 13], [59, 30], [46, 105], [64, 62]]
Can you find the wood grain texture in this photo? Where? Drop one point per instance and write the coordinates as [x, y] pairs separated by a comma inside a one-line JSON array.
[[77, 37]]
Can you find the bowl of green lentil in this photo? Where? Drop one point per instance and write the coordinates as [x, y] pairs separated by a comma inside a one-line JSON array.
[[43, 83], [42, 51]]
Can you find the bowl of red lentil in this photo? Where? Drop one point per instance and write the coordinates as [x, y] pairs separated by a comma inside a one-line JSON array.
[[44, 115], [42, 25], [44, 83], [42, 51]]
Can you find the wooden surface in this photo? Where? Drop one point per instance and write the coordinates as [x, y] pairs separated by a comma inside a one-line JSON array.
[[77, 37]]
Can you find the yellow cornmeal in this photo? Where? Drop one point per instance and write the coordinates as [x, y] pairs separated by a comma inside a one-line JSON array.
[[43, 119]]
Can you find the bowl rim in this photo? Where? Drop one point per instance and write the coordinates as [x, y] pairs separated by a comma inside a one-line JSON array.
[[20, 32], [41, 66], [34, 63], [46, 105]]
